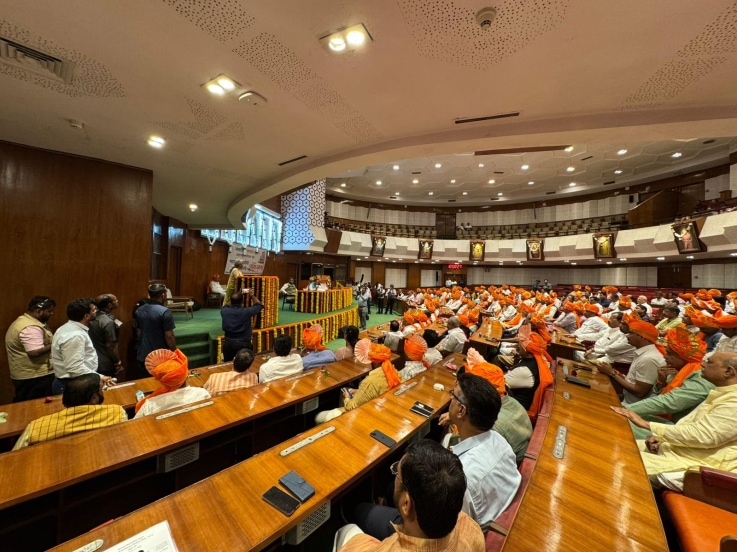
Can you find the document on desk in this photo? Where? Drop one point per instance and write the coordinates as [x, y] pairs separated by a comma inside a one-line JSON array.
[[154, 539]]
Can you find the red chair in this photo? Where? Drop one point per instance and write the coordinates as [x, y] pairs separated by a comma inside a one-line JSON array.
[[538, 436], [500, 527]]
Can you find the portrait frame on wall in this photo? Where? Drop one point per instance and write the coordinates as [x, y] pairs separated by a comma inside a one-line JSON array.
[[378, 244], [426, 246], [686, 236], [535, 249], [477, 251], [603, 244]]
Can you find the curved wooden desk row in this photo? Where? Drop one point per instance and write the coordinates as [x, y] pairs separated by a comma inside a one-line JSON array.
[[377, 332], [598, 496], [225, 511]]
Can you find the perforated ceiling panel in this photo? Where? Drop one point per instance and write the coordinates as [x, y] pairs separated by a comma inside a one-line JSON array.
[[232, 132], [443, 30], [205, 121], [286, 69], [717, 38], [222, 19], [90, 77]]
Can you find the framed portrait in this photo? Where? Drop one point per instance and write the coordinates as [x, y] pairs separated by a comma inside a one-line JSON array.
[[604, 245], [535, 249], [478, 249], [425, 249], [378, 244], [686, 236]]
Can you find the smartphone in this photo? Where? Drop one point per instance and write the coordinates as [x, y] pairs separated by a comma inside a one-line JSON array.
[[383, 438], [422, 409], [280, 500]]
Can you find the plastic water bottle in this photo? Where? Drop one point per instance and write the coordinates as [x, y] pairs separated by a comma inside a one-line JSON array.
[[139, 395]]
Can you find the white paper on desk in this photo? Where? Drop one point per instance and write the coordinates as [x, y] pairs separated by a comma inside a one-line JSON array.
[[154, 539]]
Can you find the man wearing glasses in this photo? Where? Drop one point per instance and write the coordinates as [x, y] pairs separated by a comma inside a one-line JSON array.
[[28, 344], [429, 488], [72, 352]]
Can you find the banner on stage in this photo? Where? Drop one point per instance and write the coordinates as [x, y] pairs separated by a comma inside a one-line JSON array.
[[254, 260]]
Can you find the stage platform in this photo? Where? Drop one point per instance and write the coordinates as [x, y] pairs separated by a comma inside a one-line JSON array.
[[197, 337]]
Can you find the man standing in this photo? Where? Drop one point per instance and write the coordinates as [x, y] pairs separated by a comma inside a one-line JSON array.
[[72, 352], [236, 323], [104, 335], [363, 299], [643, 373], [391, 295], [156, 326], [28, 344]]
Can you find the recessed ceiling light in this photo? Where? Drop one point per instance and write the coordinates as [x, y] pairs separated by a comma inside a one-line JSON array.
[[618, 171], [660, 258], [622, 152], [492, 181], [733, 254], [396, 193], [569, 149], [226, 84], [336, 44], [156, 142], [343, 185], [481, 165], [571, 169], [193, 207], [500, 194], [378, 182], [622, 259], [531, 183], [453, 181], [394, 261], [566, 261], [395, 167], [525, 167], [465, 193], [365, 257], [609, 262], [690, 257], [415, 181], [216, 89], [220, 85], [438, 165], [677, 154], [572, 184], [430, 193], [574, 264], [355, 38]]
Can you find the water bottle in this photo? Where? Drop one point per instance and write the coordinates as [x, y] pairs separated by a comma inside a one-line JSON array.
[[139, 395]]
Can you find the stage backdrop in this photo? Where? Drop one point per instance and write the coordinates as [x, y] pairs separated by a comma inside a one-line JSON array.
[[253, 259]]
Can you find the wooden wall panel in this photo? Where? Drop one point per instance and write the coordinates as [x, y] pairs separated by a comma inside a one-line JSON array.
[[72, 227], [413, 276]]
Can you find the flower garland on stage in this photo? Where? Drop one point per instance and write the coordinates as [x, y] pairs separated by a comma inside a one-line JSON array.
[[266, 288], [263, 340], [323, 301]]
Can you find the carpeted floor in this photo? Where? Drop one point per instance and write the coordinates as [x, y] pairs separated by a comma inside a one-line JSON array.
[[208, 321]]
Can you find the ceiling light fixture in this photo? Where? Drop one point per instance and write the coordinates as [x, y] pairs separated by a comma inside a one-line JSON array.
[[193, 207], [378, 182], [465, 193], [438, 165], [531, 183], [453, 181], [571, 169], [690, 257], [481, 165], [660, 258], [343, 185], [618, 171], [430, 193], [396, 167], [622, 152], [525, 167], [569, 149], [733, 254], [676, 155], [221, 85], [347, 40], [572, 184], [492, 181], [415, 181], [156, 142], [226, 83], [623, 259], [500, 194], [609, 262], [574, 264]]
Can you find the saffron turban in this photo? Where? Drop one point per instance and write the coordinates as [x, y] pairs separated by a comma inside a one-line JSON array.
[[167, 367], [415, 348], [726, 320], [312, 338], [578, 308], [685, 344], [593, 307], [625, 302], [643, 329], [463, 319]]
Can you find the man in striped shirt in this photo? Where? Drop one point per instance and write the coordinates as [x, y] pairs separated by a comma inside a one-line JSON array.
[[239, 378]]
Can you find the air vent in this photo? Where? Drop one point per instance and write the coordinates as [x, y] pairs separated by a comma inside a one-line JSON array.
[[178, 458], [451, 201], [308, 405], [549, 193], [494, 199], [417, 172], [587, 158], [393, 197], [498, 172], [35, 61], [488, 118], [609, 182], [292, 160]]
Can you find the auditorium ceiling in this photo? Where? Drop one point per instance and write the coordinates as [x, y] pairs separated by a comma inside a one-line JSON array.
[[653, 78]]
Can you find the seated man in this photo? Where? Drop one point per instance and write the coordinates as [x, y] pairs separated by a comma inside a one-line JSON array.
[[612, 346], [488, 461], [532, 375], [455, 339], [170, 369], [568, 321], [432, 355], [671, 319], [216, 288], [414, 350], [593, 327], [392, 338], [350, 334], [706, 437], [318, 355], [679, 388], [288, 289], [83, 410], [513, 422], [283, 363], [239, 378], [429, 494]]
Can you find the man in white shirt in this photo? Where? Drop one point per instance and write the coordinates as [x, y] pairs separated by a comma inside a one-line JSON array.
[[72, 351], [394, 336], [593, 327], [642, 300], [455, 339], [643, 373], [612, 346], [658, 300], [728, 325], [283, 364]]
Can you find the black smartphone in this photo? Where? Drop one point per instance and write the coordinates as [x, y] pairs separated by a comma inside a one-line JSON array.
[[383, 438], [422, 409], [296, 485], [578, 381], [280, 500]]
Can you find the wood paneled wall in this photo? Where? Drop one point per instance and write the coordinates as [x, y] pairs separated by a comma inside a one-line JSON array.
[[73, 227]]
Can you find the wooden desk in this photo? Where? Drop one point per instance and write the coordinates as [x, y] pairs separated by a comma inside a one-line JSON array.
[[225, 512], [563, 349], [22, 413], [379, 331], [598, 496], [92, 470]]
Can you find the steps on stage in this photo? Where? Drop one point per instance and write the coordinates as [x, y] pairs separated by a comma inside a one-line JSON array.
[[197, 348]]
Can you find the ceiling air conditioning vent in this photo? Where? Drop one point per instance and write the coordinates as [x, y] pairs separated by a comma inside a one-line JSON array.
[[292, 160], [587, 158], [609, 182], [35, 61], [451, 201], [416, 172], [549, 193], [487, 118]]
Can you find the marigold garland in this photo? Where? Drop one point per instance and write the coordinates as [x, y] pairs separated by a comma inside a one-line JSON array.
[[266, 288], [319, 302]]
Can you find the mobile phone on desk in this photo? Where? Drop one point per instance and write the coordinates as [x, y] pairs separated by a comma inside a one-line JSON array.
[[280, 500], [383, 438]]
